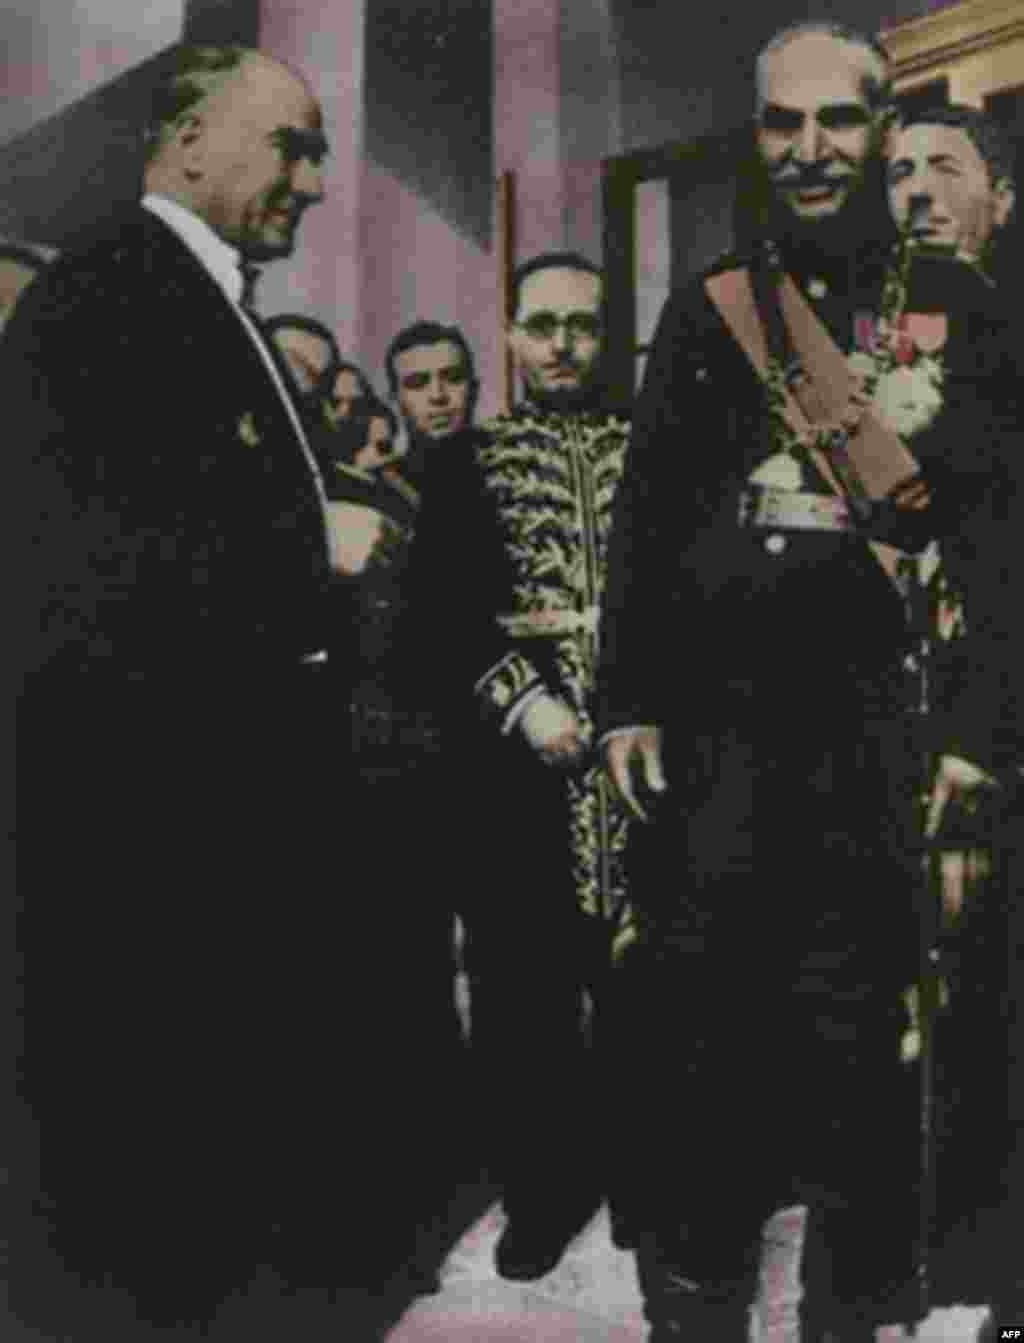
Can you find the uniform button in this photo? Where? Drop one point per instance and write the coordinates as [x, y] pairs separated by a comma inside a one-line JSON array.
[[775, 544]]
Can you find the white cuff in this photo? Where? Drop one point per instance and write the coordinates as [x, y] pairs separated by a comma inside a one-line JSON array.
[[516, 712], [501, 689]]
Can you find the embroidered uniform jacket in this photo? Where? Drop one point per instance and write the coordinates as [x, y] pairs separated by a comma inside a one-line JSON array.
[[520, 511], [808, 617]]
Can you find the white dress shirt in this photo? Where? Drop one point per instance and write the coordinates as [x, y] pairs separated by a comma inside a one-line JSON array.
[[221, 261]]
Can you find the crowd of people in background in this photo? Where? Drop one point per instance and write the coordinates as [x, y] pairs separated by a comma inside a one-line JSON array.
[[600, 705]]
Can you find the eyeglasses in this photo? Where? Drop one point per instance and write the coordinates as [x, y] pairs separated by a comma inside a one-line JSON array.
[[578, 326]]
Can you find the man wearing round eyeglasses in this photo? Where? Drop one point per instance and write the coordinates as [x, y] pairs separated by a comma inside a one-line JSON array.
[[522, 512], [556, 335]]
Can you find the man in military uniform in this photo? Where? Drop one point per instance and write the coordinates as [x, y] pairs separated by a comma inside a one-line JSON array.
[[777, 588], [519, 513]]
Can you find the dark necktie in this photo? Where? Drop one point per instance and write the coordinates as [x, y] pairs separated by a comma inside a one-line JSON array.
[[250, 276]]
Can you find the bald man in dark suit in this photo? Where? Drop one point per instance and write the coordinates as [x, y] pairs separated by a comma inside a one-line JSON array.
[[179, 925]]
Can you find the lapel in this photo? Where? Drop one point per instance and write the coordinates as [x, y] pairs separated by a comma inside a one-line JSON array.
[[285, 374], [201, 315]]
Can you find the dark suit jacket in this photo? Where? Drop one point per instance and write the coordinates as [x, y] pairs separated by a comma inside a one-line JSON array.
[[455, 581], [168, 515], [172, 759]]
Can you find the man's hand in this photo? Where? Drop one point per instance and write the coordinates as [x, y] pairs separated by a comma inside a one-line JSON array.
[[353, 533], [621, 751], [959, 868], [957, 780], [553, 730]]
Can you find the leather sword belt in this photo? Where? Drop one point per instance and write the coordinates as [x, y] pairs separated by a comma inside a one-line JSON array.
[[766, 506]]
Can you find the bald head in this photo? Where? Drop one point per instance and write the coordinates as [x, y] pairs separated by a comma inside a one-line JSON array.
[[237, 138]]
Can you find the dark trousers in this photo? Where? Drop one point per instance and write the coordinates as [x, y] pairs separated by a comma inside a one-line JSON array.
[[538, 969], [411, 834], [979, 1111], [757, 1020], [191, 939]]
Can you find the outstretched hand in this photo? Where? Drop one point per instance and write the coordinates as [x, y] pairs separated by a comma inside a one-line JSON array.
[[635, 745], [957, 781]]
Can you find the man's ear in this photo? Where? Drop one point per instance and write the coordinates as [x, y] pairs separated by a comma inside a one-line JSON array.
[[188, 136], [1003, 198]]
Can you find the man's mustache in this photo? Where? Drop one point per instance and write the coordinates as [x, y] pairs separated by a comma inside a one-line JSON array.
[[563, 364], [290, 203], [806, 179]]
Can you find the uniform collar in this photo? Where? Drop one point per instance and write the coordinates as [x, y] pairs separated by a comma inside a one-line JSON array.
[[592, 410]]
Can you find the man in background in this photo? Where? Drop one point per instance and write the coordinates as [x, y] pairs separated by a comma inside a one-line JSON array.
[[952, 190], [350, 385], [511, 571], [951, 182], [325, 382], [432, 381], [308, 348]]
